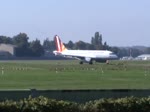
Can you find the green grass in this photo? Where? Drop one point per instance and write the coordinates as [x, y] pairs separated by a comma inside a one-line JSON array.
[[70, 75]]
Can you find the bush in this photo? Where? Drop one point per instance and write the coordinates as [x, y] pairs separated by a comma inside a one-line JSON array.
[[43, 104]]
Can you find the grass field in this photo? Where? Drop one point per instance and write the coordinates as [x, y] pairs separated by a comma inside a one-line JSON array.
[[70, 75]]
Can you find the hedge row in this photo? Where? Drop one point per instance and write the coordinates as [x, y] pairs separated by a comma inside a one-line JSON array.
[[43, 104]]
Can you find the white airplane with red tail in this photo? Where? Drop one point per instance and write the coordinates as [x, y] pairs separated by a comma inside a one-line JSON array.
[[83, 55]]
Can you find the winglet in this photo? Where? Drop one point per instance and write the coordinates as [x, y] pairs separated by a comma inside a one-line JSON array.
[[59, 45]]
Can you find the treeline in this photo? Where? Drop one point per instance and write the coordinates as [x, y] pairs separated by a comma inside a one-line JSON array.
[[24, 48]]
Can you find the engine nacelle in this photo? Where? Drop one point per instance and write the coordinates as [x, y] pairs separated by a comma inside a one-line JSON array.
[[87, 59]]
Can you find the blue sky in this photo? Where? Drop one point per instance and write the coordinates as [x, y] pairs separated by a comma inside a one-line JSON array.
[[121, 22]]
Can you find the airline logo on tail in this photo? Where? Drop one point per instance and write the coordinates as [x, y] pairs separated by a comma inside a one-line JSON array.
[[59, 45]]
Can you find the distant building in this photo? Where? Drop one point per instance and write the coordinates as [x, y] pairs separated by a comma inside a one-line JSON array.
[[127, 58], [7, 50], [143, 57]]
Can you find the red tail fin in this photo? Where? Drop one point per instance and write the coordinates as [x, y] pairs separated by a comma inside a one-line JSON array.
[[59, 45]]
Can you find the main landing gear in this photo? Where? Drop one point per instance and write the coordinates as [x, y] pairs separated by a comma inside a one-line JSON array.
[[81, 62], [90, 62]]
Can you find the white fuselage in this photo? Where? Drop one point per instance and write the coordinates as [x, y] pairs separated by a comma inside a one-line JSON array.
[[92, 54], [87, 53]]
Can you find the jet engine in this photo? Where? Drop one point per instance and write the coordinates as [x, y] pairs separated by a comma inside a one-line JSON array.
[[87, 59]]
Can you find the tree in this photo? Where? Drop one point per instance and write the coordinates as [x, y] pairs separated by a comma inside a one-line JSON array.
[[148, 50], [49, 45], [105, 46], [36, 48], [6, 40], [80, 45], [97, 41], [115, 50], [21, 41], [93, 41], [135, 52], [89, 46], [70, 44]]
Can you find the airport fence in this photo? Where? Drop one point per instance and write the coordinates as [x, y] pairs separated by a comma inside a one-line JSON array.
[[79, 96]]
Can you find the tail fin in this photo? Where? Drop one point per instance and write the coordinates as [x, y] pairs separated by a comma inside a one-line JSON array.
[[59, 45]]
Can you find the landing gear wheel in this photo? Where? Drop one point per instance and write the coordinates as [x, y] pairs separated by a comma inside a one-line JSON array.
[[81, 62], [90, 62]]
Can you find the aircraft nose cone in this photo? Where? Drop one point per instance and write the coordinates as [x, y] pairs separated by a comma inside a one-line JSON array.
[[115, 56]]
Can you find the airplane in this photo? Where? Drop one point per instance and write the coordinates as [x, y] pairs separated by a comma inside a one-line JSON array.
[[87, 56]]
